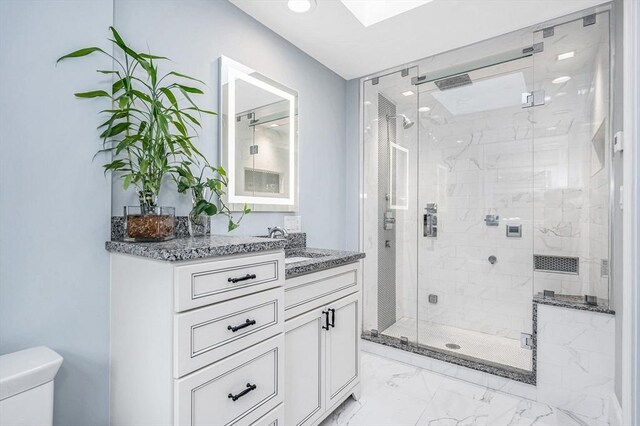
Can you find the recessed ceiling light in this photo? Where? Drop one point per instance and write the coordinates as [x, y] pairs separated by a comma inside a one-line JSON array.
[[273, 125], [424, 109], [408, 93], [563, 56], [370, 12], [561, 94], [561, 80], [367, 102], [551, 128], [301, 6]]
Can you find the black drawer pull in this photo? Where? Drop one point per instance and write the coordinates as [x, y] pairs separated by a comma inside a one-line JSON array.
[[333, 318], [249, 388], [326, 317], [247, 323], [246, 277]]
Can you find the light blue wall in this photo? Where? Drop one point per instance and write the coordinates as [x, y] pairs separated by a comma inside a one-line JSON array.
[[54, 202], [194, 34]]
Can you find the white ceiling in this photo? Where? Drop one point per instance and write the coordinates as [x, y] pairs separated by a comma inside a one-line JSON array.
[[334, 37]]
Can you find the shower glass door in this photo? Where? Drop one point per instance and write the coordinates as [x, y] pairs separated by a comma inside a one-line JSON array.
[[573, 161], [475, 204], [389, 213]]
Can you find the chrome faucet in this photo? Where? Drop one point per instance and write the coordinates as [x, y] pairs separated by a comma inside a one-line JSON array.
[[276, 231]]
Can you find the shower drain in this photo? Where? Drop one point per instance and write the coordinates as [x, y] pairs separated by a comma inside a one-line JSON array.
[[452, 346]]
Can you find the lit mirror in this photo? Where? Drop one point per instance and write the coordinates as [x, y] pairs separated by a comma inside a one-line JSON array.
[[259, 133]]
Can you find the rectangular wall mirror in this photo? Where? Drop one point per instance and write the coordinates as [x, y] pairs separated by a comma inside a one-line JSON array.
[[259, 134]]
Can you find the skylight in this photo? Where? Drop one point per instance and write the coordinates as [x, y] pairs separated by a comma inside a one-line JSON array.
[[370, 12], [485, 95]]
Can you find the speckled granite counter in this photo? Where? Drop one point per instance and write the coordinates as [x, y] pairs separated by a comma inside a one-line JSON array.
[[573, 302], [196, 248], [319, 259]]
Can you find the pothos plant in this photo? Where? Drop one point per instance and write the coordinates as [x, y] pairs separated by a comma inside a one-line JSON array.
[[209, 182], [151, 125]]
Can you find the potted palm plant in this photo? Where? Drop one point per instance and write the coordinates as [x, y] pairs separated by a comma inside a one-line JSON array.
[[149, 130]]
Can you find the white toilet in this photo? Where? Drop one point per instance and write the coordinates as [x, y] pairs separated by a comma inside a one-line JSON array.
[[26, 387]]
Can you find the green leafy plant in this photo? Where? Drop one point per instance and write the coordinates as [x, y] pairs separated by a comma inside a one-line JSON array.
[[149, 130], [203, 188]]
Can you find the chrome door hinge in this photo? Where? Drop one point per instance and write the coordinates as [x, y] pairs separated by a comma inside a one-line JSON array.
[[617, 142], [531, 99], [536, 48], [548, 32], [526, 341], [589, 20]]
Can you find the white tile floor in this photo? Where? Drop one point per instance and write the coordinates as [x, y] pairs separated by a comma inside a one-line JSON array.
[[472, 343], [399, 394]]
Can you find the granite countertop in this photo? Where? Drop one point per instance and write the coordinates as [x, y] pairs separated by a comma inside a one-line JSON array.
[[193, 248], [573, 302], [196, 247], [319, 259]]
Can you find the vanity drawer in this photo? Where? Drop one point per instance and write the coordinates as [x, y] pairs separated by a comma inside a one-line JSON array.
[[205, 335], [252, 377], [274, 417], [307, 292], [204, 283]]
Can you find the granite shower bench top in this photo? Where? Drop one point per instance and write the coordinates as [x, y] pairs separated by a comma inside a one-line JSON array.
[[574, 302]]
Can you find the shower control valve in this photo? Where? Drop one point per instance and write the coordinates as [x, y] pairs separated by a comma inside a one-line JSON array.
[[492, 220]]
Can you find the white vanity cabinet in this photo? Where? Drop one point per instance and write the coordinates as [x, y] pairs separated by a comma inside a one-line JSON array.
[[198, 342], [322, 342]]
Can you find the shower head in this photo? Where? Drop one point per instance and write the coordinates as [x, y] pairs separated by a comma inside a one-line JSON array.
[[406, 123], [454, 81]]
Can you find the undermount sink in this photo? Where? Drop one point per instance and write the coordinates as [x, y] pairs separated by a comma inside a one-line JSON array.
[[295, 259]]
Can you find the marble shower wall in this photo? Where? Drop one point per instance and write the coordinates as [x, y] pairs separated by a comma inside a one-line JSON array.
[[576, 360]]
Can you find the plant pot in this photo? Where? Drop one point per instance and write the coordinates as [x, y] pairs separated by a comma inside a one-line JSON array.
[[147, 224], [199, 225]]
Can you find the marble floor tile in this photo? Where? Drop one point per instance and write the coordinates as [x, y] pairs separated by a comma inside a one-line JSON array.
[[397, 394]]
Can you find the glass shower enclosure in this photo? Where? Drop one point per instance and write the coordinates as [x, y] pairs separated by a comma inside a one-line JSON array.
[[486, 182]]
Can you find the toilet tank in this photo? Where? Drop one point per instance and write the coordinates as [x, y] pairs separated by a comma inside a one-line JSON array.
[[26, 386]]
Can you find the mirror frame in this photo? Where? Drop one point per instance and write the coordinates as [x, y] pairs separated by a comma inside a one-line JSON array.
[[230, 72]]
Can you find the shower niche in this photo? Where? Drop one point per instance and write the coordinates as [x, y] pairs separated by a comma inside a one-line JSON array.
[[477, 163]]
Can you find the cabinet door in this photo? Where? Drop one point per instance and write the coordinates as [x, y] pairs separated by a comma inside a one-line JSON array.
[[343, 341], [304, 372]]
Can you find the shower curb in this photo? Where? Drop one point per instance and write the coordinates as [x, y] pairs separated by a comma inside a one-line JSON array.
[[512, 373]]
